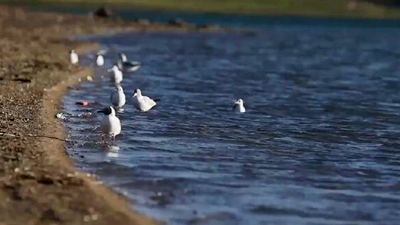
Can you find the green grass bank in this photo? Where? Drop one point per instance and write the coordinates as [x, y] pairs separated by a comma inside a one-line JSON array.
[[314, 8]]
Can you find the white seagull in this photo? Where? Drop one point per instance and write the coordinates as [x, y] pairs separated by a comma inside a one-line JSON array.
[[73, 57], [127, 66], [142, 103], [116, 74], [99, 60], [118, 98], [239, 107], [110, 125]]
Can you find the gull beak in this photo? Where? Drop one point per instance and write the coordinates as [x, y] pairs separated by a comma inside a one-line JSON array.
[[100, 111]]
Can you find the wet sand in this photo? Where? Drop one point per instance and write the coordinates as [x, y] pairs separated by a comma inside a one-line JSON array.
[[38, 181]]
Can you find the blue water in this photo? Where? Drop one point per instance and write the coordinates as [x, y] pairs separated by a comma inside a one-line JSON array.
[[319, 143]]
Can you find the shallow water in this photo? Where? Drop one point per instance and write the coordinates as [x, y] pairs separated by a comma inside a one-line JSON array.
[[319, 143]]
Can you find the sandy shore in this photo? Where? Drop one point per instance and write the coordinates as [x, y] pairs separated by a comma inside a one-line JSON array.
[[38, 181]]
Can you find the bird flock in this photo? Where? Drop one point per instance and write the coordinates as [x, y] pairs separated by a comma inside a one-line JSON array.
[[110, 124]]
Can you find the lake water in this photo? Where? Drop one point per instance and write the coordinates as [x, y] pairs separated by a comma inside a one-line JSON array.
[[319, 143]]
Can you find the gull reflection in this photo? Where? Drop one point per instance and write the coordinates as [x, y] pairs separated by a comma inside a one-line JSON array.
[[112, 151], [120, 110]]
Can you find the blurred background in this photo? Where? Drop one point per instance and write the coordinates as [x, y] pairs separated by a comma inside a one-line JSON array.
[[330, 8]]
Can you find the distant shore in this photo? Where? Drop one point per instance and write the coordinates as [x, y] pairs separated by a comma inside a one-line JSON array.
[[309, 8], [38, 181]]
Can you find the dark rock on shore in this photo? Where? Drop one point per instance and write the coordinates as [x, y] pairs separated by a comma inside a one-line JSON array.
[[103, 12]]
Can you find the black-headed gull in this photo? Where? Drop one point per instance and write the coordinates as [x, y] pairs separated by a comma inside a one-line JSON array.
[[116, 76], [239, 106], [118, 98], [110, 125], [73, 57], [99, 60], [127, 66], [142, 103]]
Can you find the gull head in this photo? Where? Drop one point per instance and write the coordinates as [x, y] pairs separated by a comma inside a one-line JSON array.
[[239, 101], [122, 57], [71, 51], [114, 68], [108, 111], [137, 92], [119, 89]]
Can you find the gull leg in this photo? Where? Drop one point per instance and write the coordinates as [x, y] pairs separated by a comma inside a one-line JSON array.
[[102, 139]]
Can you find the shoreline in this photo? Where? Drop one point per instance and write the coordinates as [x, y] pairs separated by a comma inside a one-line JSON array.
[[55, 127], [39, 183]]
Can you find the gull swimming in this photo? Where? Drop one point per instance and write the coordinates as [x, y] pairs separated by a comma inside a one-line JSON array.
[[127, 66], [110, 125], [73, 57], [142, 103], [99, 60], [116, 74], [118, 98], [239, 106]]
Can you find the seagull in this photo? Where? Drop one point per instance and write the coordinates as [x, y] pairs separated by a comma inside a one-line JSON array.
[[239, 107], [99, 60], [117, 74], [110, 125], [142, 103], [73, 57], [118, 98], [127, 66]]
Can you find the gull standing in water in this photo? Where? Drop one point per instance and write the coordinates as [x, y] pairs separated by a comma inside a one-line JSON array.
[[239, 106], [142, 103], [127, 66], [116, 74], [118, 98], [73, 57], [110, 125], [99, 60]]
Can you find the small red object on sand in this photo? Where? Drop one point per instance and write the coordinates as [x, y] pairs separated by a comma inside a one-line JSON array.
[[84, 103]]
